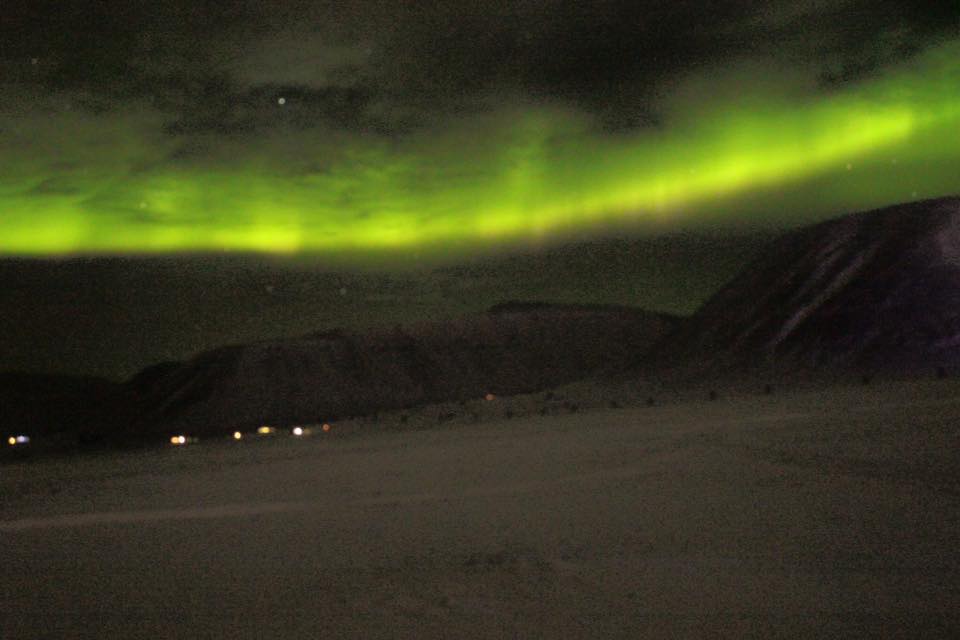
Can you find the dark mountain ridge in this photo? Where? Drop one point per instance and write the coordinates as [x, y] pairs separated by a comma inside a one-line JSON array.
[[513, 348], [874, 291]]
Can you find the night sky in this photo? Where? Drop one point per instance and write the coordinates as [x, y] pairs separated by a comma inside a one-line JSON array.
[[366, 133]]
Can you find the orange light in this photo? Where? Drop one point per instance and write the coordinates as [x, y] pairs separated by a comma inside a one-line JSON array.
[[489, 397], [326, 427], [11, 441], [178, 440]]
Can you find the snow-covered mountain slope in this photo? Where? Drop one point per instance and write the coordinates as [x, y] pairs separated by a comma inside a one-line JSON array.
[[513, 348], [878, 290]]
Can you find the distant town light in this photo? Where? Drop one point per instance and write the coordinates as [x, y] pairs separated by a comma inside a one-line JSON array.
[[22, 439], [11, 441], [265, 431], [326, 427], [237, 435], [489, 397], [178, 440], [298, 431]]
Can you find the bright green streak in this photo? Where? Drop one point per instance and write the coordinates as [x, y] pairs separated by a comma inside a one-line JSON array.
[[74, 183]]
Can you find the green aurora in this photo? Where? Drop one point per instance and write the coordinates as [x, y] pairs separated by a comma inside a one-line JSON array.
[[78, 182]]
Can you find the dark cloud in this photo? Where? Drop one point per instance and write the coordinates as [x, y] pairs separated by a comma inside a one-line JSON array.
[[361, 63], [844, 40], [222, 107]]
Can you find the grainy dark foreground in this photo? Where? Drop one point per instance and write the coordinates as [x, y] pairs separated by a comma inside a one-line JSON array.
[[801, 515]]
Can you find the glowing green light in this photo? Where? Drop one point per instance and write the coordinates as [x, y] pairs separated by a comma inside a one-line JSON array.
[[522, 173]]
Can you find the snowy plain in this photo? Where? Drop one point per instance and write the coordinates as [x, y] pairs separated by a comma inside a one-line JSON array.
[[819, 512]]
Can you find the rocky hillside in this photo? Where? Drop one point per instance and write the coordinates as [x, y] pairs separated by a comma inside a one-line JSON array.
[[513, 348], [878, 290]]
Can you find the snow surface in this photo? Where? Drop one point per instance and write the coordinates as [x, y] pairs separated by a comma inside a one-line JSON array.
[[822, 513]]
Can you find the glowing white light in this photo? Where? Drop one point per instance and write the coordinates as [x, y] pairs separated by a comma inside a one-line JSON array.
[[237, 435], [281, 101], [22, 439], [298, 431]]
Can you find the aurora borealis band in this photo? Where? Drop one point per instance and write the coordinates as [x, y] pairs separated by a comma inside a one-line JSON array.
[[181, 175], [73, 181]]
